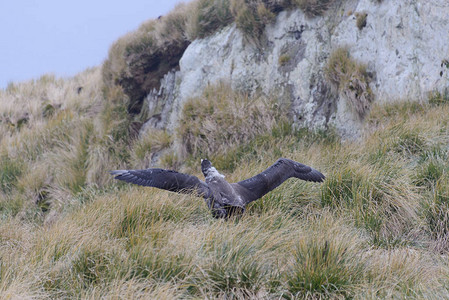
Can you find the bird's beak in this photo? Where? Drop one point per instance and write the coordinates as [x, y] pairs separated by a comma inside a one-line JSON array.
[[202, 160]]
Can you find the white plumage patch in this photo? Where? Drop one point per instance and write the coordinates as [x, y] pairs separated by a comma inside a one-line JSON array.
[[212, 172]]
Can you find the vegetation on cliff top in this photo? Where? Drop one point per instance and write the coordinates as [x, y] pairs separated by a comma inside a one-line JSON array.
[[137, 61]]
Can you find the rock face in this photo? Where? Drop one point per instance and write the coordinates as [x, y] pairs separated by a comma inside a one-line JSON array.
[[160, 102], [403, 43]]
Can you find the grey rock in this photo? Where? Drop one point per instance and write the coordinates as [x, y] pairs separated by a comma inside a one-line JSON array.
[[403, 44]]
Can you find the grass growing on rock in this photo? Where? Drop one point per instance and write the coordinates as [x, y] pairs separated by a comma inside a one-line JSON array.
[[221, 122], [313, 8], [351, 79], [138, 61]]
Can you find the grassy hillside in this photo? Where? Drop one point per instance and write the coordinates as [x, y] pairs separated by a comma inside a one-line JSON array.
[[376, 228]]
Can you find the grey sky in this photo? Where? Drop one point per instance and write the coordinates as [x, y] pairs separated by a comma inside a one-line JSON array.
[[65, 37]]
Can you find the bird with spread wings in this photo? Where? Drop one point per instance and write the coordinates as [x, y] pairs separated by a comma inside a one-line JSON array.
[[223, 198]]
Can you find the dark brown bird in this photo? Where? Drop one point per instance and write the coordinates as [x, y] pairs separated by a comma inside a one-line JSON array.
[[222, 198]]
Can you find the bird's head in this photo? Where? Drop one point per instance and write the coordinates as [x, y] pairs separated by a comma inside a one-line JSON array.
[[208, 170], [205, 166]]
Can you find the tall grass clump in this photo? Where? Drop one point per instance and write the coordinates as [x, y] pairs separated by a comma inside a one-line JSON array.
[[401, 273], [149, 146], [208, 17], [116, 131], [379, 197], [70, 159], [361, 20], [233, 269], [408, 142], [327, 261], [238, 261], [222, 119], [438, 98], [147, 262], [432, 166], [436, 214], [351, 79], [10, 171], [251, 17], [313, 8]]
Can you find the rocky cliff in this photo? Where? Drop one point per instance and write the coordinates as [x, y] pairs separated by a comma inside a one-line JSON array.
[[404, 45]]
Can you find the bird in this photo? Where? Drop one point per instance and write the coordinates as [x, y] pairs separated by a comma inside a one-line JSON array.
[[224, 199]]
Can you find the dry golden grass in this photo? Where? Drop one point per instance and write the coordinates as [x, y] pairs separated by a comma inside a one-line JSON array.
[[138, 243], [351, 79], [150, 144], [376, 228], [32, 97], [313, 8], [220, 121], [361, 20], [63, 146]]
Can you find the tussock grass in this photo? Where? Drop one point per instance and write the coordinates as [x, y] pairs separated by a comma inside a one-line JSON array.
[[251, 17], [381, 201], [284, 59], [10, 171], [53, 157], [313, 8], [220, 120], [149, 145], [394, 270], [351, 79], [438, 98], [376, 228], [207, 17], [361, 20]]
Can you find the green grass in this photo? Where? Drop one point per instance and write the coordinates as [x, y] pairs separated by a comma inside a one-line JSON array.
[[10, 170], [153, 141], [438, 98], [351, 79], [327, 263], [220, 121], [377, 227]]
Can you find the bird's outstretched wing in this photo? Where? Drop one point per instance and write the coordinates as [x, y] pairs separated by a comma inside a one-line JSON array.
[[255, 187], [164, 179]]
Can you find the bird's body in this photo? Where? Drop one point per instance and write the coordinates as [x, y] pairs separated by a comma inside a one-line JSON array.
[[222, 198]]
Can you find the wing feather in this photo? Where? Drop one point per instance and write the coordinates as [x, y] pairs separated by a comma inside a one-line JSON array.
[[255, 187], [164, 179]]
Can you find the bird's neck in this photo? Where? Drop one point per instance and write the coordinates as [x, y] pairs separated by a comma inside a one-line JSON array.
[[212, 173]]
